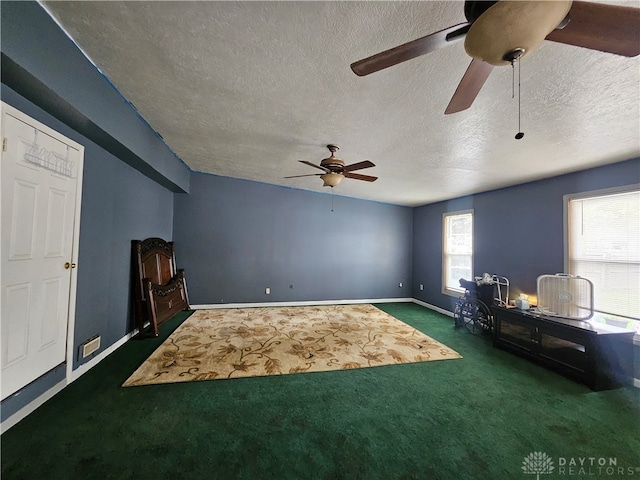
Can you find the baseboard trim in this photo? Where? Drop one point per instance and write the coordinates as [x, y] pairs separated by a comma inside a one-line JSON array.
[[433, 307], [307, 303], [32, 406], [85, 367]]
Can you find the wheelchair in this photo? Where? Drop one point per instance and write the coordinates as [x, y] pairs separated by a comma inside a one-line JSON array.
[[473, 309]]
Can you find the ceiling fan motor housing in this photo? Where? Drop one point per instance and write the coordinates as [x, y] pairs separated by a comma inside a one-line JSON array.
[[474, 8], [333, 163]]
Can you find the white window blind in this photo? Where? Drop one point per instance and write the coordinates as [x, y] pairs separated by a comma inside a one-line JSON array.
[[458, 250], [604, 247]]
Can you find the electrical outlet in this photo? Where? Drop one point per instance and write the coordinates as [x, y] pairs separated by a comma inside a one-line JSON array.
[[267, 291], [421, 287]]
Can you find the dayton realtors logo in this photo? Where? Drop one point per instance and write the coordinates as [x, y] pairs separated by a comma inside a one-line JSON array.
[[539, 463]]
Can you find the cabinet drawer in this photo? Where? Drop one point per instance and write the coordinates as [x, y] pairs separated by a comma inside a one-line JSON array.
[[516, 334], [570, 353]]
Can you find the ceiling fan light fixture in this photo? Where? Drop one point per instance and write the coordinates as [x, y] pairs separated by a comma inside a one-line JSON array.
[[331, 179], [509, 26]]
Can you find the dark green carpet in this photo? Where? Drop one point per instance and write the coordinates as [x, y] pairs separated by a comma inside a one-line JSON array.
[[474, 418]]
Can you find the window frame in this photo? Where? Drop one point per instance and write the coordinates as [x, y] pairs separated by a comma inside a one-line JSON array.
[[567, 216], [454, 291]]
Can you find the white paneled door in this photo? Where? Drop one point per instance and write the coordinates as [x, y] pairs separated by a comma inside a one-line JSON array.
[[41, 172]]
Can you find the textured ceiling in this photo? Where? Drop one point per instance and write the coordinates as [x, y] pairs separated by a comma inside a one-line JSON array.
[[246, 89]]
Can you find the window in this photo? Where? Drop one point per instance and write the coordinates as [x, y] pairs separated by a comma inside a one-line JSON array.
[[603, 246], [457, 251]]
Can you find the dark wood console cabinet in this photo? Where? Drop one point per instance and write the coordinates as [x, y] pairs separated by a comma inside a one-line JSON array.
[[599, 355]]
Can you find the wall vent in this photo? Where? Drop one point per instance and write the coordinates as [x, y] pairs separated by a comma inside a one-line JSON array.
[[90, 346]]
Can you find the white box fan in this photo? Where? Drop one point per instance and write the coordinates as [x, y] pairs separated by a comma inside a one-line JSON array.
[[566, 296]]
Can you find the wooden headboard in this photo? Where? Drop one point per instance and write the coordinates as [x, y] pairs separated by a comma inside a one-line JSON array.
[[160, 289]]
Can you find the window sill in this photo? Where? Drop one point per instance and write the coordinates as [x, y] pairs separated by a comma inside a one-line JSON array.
[[453, 293]]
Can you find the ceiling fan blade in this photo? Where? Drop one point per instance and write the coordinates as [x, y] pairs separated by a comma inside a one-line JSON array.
[[469, 87], [358, 166], [604, 27], [359, 176], [326, 170], [308, 175], [410, 50]]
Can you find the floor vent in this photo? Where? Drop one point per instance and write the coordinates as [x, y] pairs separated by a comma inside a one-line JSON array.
[[90, 346]]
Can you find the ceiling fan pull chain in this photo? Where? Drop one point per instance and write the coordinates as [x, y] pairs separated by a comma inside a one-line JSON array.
[[520, 134], [513, 79]]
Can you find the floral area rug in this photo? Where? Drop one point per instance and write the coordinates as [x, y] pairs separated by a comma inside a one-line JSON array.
[[247, 342]]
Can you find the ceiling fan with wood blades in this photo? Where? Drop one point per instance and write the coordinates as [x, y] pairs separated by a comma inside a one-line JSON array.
[[335, 170], [502, 32]]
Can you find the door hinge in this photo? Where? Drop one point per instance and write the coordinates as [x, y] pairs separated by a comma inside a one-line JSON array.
[[4, 144]]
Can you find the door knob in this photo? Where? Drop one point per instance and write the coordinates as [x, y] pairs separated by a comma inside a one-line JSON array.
[[69, 265]]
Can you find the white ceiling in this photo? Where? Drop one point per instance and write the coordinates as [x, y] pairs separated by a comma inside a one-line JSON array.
[[246, 89]]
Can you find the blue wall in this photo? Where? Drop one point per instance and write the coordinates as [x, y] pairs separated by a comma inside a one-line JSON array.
[[234, 238], [118, 205], [518, 231], [129, 173]]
